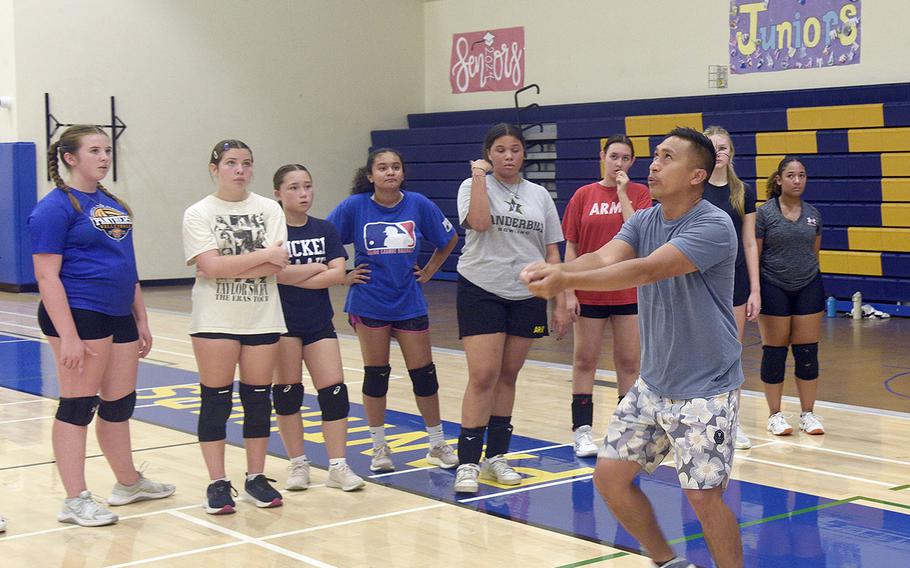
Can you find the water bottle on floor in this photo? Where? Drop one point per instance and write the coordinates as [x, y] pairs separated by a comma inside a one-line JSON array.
[[857, 306], [831, 307]]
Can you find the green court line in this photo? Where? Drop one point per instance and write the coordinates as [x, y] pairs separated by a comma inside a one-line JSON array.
[[595, 560], [882, 502], [900, 487], [742, 526]]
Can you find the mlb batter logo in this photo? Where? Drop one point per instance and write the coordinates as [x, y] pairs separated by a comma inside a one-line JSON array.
[[389, 238]]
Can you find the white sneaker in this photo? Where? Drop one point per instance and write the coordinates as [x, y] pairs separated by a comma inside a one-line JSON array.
[[584, 442], [741, 441], [498, 469], [382, 459], [85, 511], [466, 478], [2, 524], [778, 425], [142, 490], [442, 455], [343, 477], [675, 563], [811, 423], [298, 476]]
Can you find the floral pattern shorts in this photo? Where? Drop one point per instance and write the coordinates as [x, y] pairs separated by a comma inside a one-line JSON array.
[[645, 427]]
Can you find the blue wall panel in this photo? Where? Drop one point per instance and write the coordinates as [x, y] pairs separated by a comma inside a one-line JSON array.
[[18, 195]]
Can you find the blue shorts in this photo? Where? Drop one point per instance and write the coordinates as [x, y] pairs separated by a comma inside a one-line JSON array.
[[417, 324], [308, 337]]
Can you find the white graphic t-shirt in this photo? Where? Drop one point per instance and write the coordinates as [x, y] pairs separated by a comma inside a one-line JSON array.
[[242, 306]]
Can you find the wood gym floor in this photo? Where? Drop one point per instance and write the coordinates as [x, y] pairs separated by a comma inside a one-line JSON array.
[[842, 499]]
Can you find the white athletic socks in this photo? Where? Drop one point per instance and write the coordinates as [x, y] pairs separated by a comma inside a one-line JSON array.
[[377, 433], [436, 436]]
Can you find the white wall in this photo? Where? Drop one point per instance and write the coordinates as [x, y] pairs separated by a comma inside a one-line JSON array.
[[601, 50], [7, 71], [298, 80]]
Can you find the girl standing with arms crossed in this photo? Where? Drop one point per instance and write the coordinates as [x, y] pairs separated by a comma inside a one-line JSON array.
[[726, 191], [593, 216], [236, 240], [317, 262], [789, 235], [510, 223], [94, 318], [386, 224]]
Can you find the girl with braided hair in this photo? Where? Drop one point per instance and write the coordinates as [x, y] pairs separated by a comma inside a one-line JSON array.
[[94, 318]]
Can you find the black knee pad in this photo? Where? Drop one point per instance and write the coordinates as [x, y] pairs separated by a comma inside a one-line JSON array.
[[805, 356], [376, 381], [119, 410], [257, 410], [333, 401], [773, 364], [424, 380], [77, 411], [213, 415], [287, 399]]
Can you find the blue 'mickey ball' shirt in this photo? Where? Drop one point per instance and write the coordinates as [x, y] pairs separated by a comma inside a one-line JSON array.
[[309, 311], [99, 265], [388, 240]]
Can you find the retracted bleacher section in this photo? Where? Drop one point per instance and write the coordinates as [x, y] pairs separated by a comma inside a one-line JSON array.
[[855, 143]]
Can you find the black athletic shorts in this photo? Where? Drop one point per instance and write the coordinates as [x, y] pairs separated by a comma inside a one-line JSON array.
[[248, 340], [417, 324], [93, 325], [308, 337], [741, 286], [810, 299], [603, 312], [481, 312]]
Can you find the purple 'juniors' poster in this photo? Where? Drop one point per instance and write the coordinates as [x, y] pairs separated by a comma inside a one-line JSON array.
[[776, 35]]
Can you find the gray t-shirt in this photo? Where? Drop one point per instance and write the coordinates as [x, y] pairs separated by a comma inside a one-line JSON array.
[[689, 344], [525, 221], [788, 247]]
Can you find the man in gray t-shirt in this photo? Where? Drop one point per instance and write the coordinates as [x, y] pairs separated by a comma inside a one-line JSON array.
[[681, 255]]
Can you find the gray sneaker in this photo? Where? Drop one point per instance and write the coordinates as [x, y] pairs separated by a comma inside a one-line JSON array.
[[343, 477], [382, 459], [498, 469], [142, 490], [85, 511], [442, 455]]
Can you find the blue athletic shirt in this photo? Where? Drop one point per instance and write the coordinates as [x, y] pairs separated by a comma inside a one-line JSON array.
[[99, 265], [308, 311], [388, 240]]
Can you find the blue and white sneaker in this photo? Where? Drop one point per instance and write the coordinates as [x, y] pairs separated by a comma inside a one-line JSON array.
[[219, 498], [260, 493]]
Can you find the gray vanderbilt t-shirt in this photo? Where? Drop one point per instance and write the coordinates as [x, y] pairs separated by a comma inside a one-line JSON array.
[[788, 247], [689, 345], [525, 221]]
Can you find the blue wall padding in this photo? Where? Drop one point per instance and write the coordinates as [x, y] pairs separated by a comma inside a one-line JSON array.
[[18, 195]]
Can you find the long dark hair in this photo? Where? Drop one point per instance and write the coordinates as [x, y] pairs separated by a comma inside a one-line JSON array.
[[362, 183], [774, 189]]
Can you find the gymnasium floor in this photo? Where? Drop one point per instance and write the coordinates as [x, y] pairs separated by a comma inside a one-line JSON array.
[[838, 500]]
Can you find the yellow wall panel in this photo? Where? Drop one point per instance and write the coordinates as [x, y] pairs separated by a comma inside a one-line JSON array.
[[879, 239], [765, 165], [865, 238], [896, 165], [641, 145], [879, 140], [842, 116], [846, 262], [895, 189], [895, 214], [658, 124], [786, 142]]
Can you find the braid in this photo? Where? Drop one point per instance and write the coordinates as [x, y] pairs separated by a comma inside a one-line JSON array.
[[53, 169], [119, 201]]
